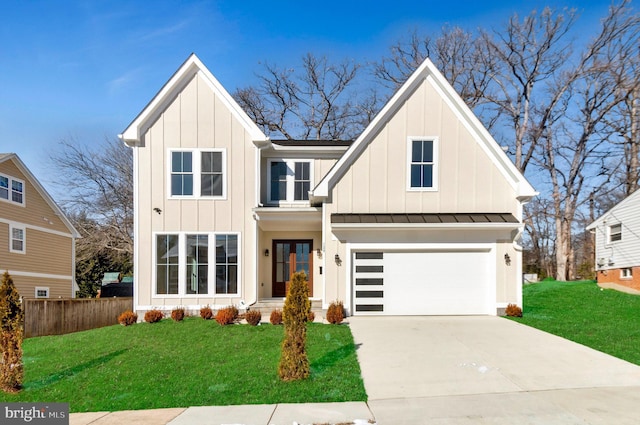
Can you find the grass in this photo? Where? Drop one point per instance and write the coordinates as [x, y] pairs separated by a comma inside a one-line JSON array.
[[606, 320], [180, 364]]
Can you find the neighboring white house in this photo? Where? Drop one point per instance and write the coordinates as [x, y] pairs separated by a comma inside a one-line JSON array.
[[618, 244], [421, 214]]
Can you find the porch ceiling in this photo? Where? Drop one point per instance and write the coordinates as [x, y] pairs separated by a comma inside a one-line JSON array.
[[288, 219]]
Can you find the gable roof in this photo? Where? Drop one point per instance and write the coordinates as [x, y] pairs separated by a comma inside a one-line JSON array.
[[191, 67], [635, 196], [428, 71], [41, 190]]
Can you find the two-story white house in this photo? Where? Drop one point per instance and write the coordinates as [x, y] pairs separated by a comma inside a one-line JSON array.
[[420, 215]]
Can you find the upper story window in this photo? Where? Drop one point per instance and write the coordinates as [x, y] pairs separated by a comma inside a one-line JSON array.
[[289, 180], [423, 164], [11, 189], [614, 233], [197, 173], [17, 240]]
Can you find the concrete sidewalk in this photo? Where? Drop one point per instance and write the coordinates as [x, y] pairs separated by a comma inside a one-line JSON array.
[[265, 414]]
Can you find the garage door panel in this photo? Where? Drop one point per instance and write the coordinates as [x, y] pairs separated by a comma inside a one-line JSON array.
[[426, 283]]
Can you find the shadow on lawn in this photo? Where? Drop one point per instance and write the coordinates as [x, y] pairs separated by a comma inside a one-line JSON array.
[[66, 373], [331, 358]]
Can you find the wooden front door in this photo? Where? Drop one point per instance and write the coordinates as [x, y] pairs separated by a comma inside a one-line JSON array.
[[290, 256]]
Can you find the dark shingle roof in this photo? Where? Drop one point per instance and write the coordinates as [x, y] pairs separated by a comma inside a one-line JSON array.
[[312, 142]]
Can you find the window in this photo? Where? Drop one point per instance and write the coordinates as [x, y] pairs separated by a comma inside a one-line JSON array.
[[42, 292], [423, 170], [197, 264], [197, 174], [183, 264], [615, 233], [626, 273], [211, 174], [11, 189], [167, 256], [226, 264], [289, 180], [181, 174], [17, 242]]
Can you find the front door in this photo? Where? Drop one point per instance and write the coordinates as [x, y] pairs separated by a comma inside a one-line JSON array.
[[290, 256]]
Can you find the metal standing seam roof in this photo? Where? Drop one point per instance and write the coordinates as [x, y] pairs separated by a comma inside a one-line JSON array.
[[417, 218]]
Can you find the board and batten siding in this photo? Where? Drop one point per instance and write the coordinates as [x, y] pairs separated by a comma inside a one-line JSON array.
[[625, 252], [195, 119], [468, 179]]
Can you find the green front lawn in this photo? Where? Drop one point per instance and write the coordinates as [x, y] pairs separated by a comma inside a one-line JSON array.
[[189, 363], [606, 320]]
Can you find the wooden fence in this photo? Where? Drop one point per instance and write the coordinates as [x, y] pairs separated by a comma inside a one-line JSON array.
[[62, 316]]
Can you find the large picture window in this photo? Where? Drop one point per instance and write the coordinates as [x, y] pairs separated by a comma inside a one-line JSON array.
[[423, 170], [289, 180], [186, 266], [197, 173]]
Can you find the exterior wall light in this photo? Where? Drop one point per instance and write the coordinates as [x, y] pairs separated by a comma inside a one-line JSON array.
[[266, 252], [507, 259]]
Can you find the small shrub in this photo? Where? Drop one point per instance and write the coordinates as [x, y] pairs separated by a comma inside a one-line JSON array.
[[227, 315], [206, 313], [253, 317], [127, 318], [294, 362], [513, 310], [276, 317], [11, 336], [335, 313], [177, 314], [153, 316], [311, 316]]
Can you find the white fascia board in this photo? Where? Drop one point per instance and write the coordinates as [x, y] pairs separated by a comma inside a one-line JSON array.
[[336, 172], [191, 67], [616, 207]]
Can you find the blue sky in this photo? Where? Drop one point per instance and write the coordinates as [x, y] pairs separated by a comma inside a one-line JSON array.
[[84, 69]]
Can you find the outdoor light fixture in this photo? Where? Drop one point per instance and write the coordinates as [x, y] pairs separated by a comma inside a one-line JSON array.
[[338, 260], [507, 259], [158, 210], [319, 253], [266, 252]]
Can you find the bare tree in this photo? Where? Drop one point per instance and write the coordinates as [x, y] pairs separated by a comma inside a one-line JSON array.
[[318, 101], [577, 145], [98, 187], [462, 58]]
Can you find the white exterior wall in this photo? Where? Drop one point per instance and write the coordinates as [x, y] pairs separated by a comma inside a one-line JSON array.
[[195, 119], [625, 252]]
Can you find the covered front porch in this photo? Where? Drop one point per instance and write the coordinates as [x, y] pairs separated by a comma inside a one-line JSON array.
[[288, 240]]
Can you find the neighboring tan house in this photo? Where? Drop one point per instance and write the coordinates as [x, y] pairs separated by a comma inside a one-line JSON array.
[[37, 241], [421, 214], [618, 244]]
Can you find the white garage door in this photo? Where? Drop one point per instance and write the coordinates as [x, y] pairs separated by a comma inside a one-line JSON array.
[[453, 282]]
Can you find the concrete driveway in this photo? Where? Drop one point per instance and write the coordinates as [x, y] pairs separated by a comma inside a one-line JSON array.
[[488, 370]]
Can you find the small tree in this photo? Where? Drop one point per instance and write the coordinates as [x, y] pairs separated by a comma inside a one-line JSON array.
[[11, 317], [294, 364]]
